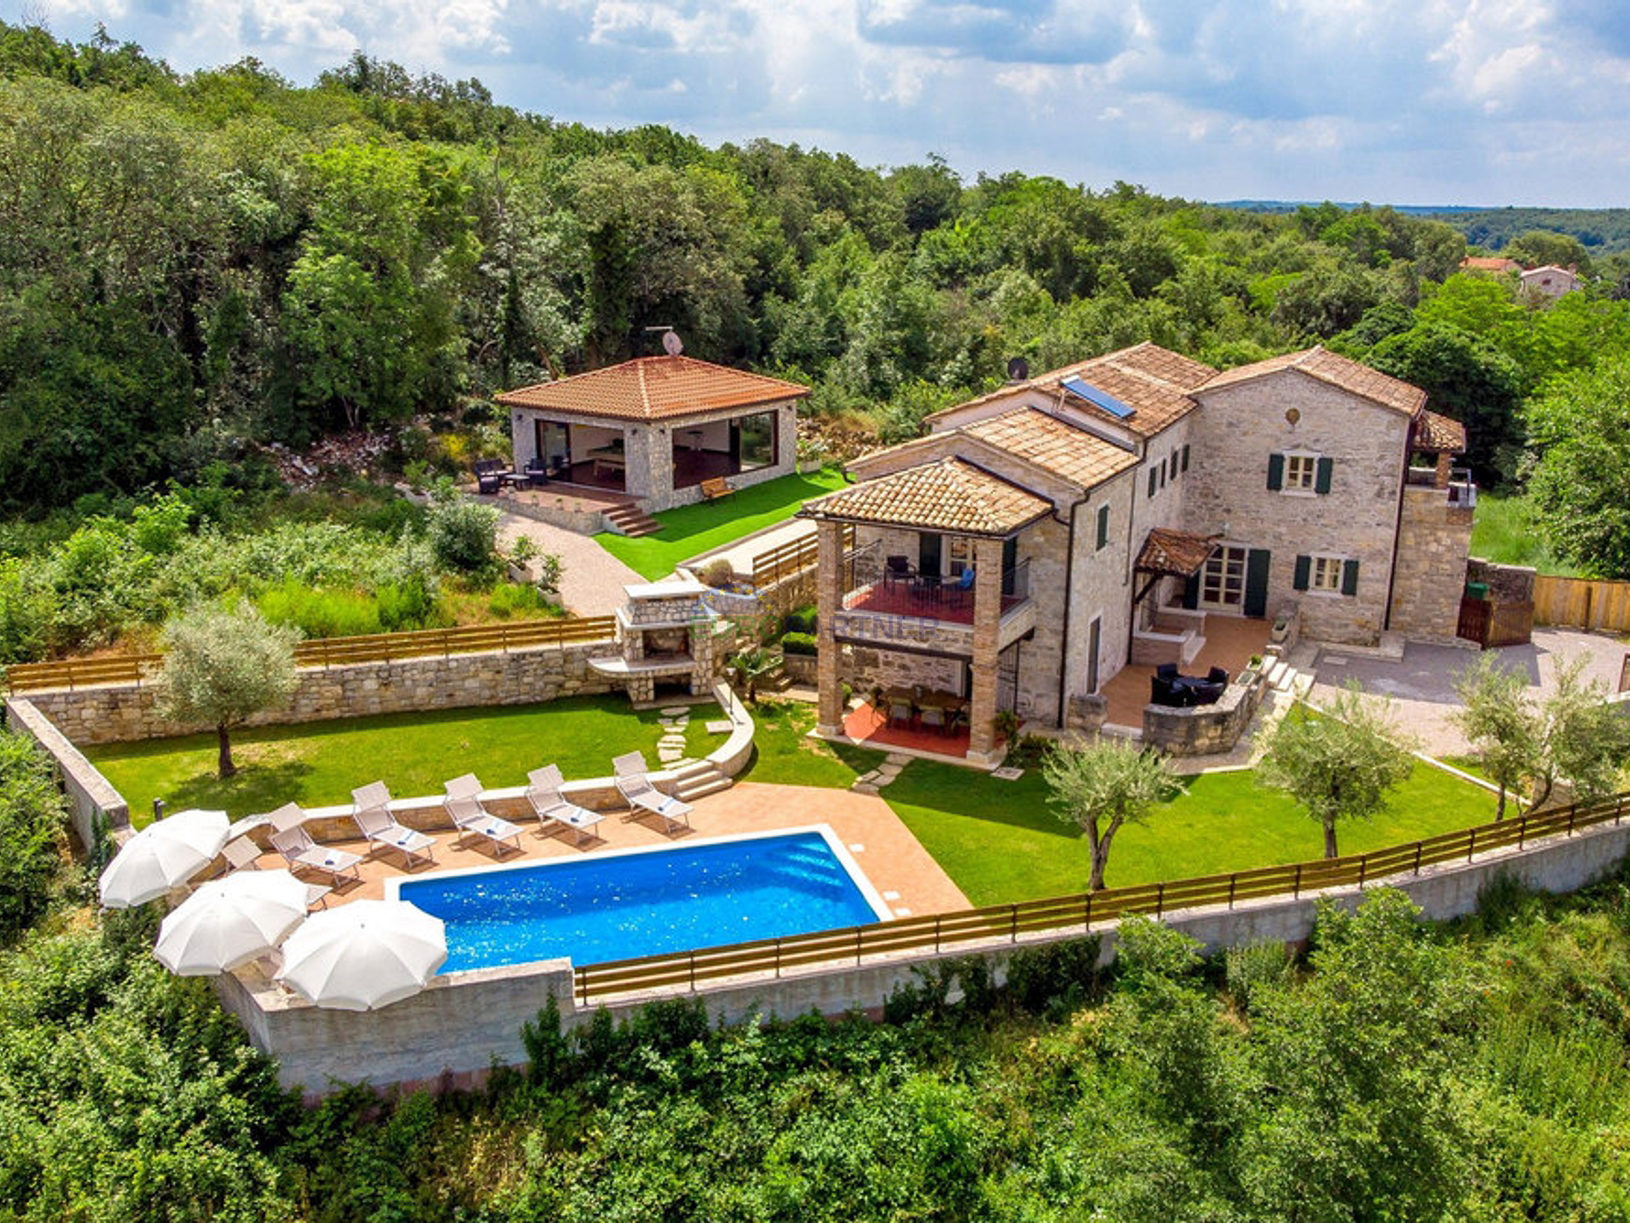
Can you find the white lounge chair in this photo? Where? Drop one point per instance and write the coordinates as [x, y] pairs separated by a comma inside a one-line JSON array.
[[290, 838], [636, 787], [241, 854], [543, 792], [463, 804], [375, 822]]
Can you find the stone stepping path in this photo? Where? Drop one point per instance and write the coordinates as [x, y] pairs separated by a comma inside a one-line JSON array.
[[671, 747], [872, 782]]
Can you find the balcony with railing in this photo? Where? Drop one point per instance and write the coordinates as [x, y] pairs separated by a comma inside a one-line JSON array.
[[1456, 483], [893, 602]]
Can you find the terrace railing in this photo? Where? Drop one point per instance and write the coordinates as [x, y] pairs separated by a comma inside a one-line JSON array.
[[333, 651], [791, 559], [997, 924]]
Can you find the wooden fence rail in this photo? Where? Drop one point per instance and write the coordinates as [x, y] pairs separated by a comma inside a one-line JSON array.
[[791, 558], [332, 651], [1581, 603], [1005, 923]]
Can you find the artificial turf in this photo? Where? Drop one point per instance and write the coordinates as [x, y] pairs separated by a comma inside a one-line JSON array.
[[784, 754], [319, 763], [1000, 841], [693, 529]]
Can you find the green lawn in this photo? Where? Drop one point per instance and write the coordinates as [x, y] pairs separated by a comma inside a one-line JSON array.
[[1000, 841], [784, 754], [319, 763], [1504, 530], [691, 529]]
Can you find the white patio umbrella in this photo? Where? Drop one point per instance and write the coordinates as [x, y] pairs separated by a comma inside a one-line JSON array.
[[364, 955], [228, 922], [161, 856]]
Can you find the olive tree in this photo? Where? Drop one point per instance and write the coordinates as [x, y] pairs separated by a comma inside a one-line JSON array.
[[1103, 786], [1339, 764], [222, 666], [1506, 730]]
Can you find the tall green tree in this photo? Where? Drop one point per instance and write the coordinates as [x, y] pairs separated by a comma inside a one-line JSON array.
[[1103, 786], [1498, 717], [1581, 482], [1340, 764]]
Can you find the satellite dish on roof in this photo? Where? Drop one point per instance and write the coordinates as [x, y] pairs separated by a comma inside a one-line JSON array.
[[672, 344], [1018, 369]]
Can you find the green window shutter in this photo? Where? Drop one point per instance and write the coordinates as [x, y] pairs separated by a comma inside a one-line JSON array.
[[1321, 475], [1153, 476], [1349, 577], [1276, 472], [1185, 456], [1103, 525], [1256, 582], [1304, 568]]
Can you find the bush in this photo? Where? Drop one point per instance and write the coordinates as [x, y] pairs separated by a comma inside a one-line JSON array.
[[31, 817], [463, 534], [803, 620], [797, 643], [1059, 977], [320, 613], [717, 574], [1254, 965], [517, 599]]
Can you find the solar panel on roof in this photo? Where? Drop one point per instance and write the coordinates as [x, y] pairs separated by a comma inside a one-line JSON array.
[[1083, 389]]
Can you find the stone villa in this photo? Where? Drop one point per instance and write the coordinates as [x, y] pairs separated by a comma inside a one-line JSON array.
[[1043, 536]]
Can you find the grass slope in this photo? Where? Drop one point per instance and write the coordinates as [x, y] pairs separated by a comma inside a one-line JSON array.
[[1000, 841], [691, 529], [1505, 530], [320, 763]]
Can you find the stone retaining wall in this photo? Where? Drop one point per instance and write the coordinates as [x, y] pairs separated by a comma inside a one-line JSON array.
[[467, 1022], [1506, 583], [119, 713], [93, 803]]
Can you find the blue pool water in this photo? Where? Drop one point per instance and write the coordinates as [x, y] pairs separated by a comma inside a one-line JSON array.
[[618, 906]]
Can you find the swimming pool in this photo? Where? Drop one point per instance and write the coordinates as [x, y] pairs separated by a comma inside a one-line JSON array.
[[618, 906]]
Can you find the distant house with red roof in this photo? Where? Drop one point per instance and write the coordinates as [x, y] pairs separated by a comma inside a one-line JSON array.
[[1489, 263], [655, 428], [1550, 281]]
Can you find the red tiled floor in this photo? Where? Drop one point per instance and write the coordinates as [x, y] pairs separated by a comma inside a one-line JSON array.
[[946, 603], [1230, 642], [866, 725]]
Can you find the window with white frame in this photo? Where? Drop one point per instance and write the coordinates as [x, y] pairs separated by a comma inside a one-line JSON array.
[[1300, 472], [958, 555], [1325, 574]]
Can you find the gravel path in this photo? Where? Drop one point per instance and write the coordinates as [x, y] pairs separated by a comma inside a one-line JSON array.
[[591, 579], [1421, 685]]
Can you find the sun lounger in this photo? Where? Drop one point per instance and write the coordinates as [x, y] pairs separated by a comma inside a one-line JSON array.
[[463, 804], [290, 838], [543, 792], [636, 787], [375, 822]]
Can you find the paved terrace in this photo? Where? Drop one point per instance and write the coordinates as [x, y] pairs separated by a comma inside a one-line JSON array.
[[898, 867], [1230, 642]]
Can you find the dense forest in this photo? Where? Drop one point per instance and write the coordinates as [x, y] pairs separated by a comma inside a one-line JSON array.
[[191, 264]]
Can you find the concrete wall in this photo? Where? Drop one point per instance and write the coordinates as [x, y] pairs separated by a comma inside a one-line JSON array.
[[466, 1022], [92, 801], [124, 712], [1235, 431]]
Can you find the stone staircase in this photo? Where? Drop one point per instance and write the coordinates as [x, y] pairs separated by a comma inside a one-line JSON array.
[[696, 779], [628, 519], [1293, 674]]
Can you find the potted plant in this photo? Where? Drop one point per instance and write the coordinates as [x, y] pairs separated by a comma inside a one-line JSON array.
[[811, 454], [521, 555]]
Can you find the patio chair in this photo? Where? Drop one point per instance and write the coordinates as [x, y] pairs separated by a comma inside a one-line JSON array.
[[543, 792], [1217, 676], [636, 788], [489, 475], [240, 854], [290, 838], [901, 712], [463, 804], [375, 822], [537, 472], [933, 717], [964, 586], [898, 569]]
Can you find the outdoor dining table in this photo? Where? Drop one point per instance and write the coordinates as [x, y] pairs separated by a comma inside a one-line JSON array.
[[925, 700]]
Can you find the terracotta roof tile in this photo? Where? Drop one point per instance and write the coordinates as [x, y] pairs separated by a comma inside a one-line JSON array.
[[1177, 553], [654, 388], [1439, 434], [950, 495], [1153, 381], [1319, 362], [1052, 445], [1488, 263]]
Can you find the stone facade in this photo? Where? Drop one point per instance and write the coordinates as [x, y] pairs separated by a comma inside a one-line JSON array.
[[1433, 537], [1236, 430], [1506, 583], [123, 712], [1203, 730]]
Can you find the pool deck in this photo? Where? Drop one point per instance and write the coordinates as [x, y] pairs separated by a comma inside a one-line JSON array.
[[908, 878]]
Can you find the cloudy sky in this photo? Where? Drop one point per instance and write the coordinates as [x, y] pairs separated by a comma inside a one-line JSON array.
[[1486, 102]]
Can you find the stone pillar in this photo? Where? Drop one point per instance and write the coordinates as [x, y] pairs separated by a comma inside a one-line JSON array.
[[828, 601], [987, 627], [1441, 479]]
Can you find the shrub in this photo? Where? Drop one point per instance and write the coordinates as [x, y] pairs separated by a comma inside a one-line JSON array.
[[516, 599], [320, 613], [801, 620], [797, 643], [463, 534], [718, 574], [31, 815], [1057, 977], [1250, 967]]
